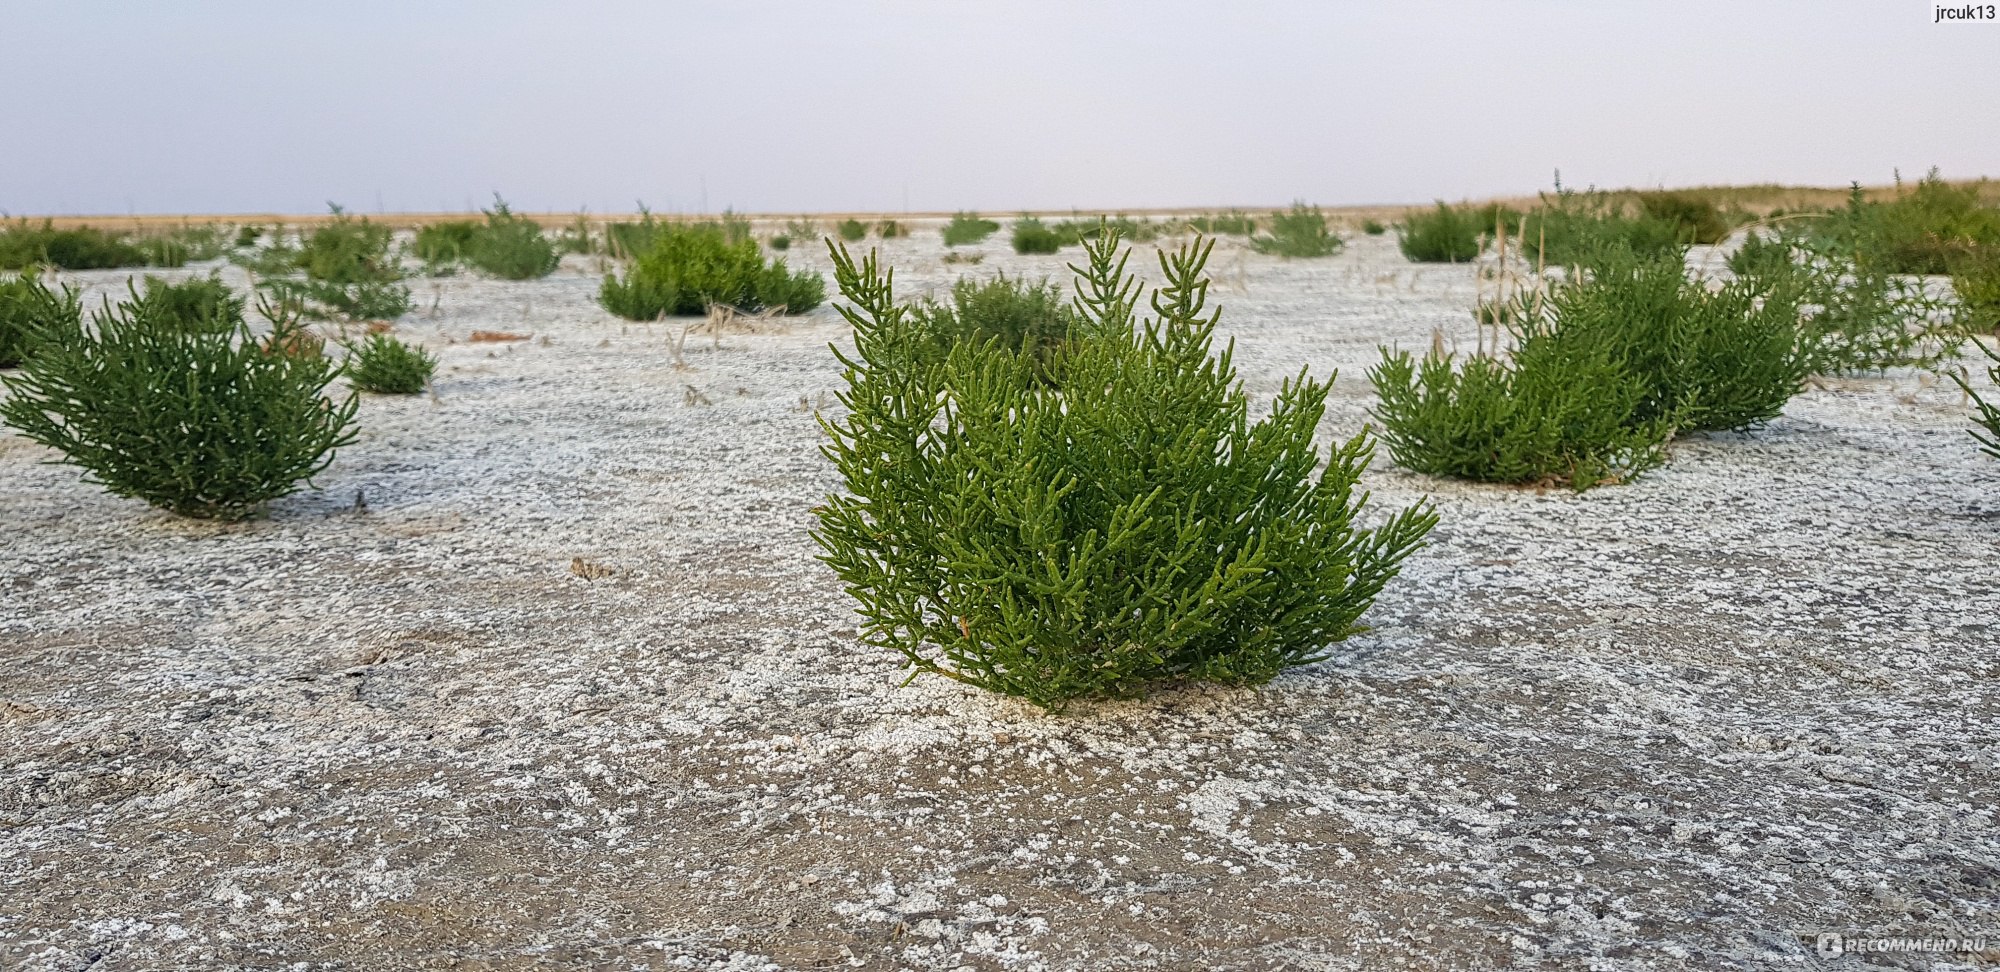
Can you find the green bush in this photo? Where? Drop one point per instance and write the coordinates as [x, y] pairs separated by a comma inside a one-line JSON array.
[[1031, 235], [578, 238], [511, 247], [368, 300], [206, 423], [386, 366], [780, 243], [1445, 234], [199, 303], [1124, 526], [444, 245], [1557, 414], [1575, 229], [1924, 231], [1762, 255], [1301, 232], [691, 267], [1373, 227], [247, 236], [30, 310], [346, 250], [1604, 371], [1030, 319], [889, 229], [276, 259], [1989, 412], [1694, 215], [1859, 316], [1975, 278], [853, 230], [968, 228], [23, 245], [625, 241]]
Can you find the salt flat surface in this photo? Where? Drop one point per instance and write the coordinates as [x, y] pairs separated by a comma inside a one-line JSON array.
[[1675, 724]]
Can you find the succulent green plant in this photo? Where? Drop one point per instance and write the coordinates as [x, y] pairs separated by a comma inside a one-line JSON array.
[[694, 266], [1121, 526], [511, 247], [383, 365], [31, 309], [202, 422], [1302, 232], [968, 228]]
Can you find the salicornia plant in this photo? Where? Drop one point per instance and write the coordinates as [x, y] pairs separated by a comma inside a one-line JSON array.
[[1102, 524]]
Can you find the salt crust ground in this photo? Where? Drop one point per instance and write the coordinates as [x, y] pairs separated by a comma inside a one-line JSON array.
[[1671, 725]]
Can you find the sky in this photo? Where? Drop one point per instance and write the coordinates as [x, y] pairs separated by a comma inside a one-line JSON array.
[[206, 106]]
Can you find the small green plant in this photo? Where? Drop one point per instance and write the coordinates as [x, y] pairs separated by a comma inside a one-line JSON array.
[[346, 250], [625, 241], [1989, 412], [372, 300], [443, 246], [1031, 235], [780, 243], [385, 366], [203, 423], [1232, 223], [247, 236], [1762, 255], [511, 247], [889, 229], [966, 229], [853, 230], [201, 303], [1859, 316], [1695, 216], [276, 259], [1025, 318], [1301, 232], [578, 238], [1124, 526], [1926, 230], [1373, 227], [30, 310], [692, 267], [1445, 234], [959, 256], [1584, 229]]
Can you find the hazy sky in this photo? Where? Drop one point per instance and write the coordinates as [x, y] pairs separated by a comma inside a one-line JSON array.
[[197, 106]]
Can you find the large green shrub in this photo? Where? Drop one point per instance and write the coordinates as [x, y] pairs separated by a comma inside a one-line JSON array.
[[31, 309], [968, 228], [852, 230], [691, 267], [1031, 235], [1860, 316], [511, 247], [1923, 231], [1445, 234], [203, 422], [1123, 525], [346, 250], [1301, 232], [383, 365]]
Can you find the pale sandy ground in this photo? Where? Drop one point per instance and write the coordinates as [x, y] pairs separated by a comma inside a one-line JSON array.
[[1671, 725]]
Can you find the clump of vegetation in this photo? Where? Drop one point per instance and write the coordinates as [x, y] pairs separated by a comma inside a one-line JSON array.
[[349, 267], [443, 246], [198, 303], [346, 250], [1029, 319], [1975, 278], [889, 229], [385, 366], [511, 247], [1445, 234], [204, 423], [24, 245], [1232, 223], [1373, 227], [247, 236], [1122, 526], [578, 238], [1585, 229], [968, 228], [31, 309], [780, 242], [1695, 216], [1927, 230], [363, 301], [692, 267], [1031, 235], [955, 256], [852, 230], [1301, 232], [1605, 369], [1762, 255], [1859, 316], [625, 241]]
